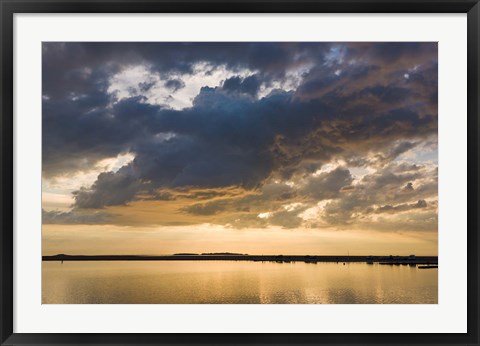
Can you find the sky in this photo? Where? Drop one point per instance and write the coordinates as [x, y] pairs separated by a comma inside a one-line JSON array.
[[259, 148]]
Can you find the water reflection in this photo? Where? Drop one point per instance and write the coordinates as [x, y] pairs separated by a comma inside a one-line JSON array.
[[231, 282]]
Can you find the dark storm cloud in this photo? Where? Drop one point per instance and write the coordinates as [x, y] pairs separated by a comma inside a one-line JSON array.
[[354, 102], [109, 189], [76, 135], [249, 85], [174, 84], [64, 64], [146, 86]]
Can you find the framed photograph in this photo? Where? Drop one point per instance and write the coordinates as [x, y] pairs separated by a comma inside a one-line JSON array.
[[239, 173]]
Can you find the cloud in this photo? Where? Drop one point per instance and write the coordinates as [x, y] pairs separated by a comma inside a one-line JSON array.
[[327, 185], [109, 189], [174, 84], [249, 85], [348, 105], [210, 208], [75, 217], [384, 192], [401, 207]]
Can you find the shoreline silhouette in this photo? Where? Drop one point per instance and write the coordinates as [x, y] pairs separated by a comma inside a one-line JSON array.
[[414, 260]]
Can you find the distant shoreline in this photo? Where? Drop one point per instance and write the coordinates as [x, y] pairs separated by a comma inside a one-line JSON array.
[[255, 258]]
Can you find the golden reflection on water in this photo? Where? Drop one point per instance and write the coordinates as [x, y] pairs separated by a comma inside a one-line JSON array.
[[235, 282]]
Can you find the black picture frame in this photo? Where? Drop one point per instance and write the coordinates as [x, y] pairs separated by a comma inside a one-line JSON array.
[[9, 7]]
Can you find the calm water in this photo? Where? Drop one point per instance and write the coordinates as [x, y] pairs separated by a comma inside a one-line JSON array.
[[230, 282]]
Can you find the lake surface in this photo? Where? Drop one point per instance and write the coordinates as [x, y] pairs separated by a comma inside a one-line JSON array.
[[235, 282]]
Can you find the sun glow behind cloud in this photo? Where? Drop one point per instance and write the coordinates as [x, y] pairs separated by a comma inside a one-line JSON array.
[[176, 91], [57, 192]]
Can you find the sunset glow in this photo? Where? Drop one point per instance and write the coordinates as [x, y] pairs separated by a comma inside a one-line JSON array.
[[258, 148]]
